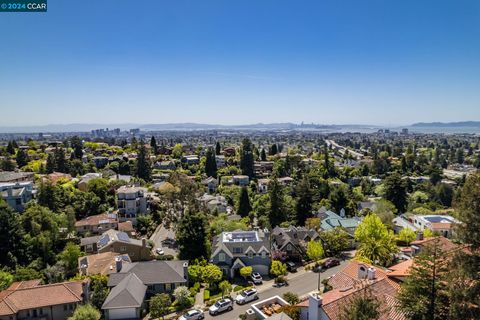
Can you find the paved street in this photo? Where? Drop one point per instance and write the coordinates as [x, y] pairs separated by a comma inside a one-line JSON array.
[[160, 234], [301, 283]]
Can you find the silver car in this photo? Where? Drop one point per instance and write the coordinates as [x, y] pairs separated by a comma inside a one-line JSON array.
[[193, 315], [246, 296], [221, 306]]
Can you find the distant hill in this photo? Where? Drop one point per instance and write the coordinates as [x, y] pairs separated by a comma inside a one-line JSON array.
[[460, 124]]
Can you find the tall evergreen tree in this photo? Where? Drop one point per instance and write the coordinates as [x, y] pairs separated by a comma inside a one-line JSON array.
[[153, 144], [263, 155], [218, 148], [396, 191], [244, 206], [10, 148], [423, 294], [304, 201], [11, 236], [77, 146], [273, 149], [50, 166], [210, 164], [277, 213], [60, 161], [246, 158], [192, 232], [362, 305], [143, 163], [21, 158]]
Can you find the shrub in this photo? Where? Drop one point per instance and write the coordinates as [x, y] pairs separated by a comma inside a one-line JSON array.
[[206, 295]]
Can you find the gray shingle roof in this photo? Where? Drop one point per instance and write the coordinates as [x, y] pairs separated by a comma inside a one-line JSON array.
[[129, 292], [152, 272]]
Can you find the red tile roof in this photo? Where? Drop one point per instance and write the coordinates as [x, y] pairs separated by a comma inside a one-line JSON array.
[[38, 296]]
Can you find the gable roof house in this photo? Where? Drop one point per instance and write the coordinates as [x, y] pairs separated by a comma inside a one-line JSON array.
[[354, 279], [97, 224], [30, 300], [237, 249], [293, 241], [133, 283], [330, 220]]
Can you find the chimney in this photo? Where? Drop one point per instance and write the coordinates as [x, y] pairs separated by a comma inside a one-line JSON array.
[[118, 263], [362, 271], [85, 291], [314, 304], [420, 235], [371, 274], [185, 270]]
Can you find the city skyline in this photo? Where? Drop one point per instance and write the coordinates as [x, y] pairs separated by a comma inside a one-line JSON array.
[[213, 62]]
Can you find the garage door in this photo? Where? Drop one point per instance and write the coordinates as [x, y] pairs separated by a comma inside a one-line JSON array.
[[260, 268], [127, 313]]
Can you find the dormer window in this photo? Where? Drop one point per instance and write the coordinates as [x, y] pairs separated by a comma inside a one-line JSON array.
[[221, 257]]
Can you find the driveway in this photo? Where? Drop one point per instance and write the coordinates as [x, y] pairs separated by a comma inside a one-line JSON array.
[[160, 235], [301, 283]]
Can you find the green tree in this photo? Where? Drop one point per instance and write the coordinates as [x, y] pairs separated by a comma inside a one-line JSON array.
[[212, 274], [225, 287], [407, 235], [177, 151], [315, 250], [277, 204], [218, 148], [396, 191], [153, 144], [335, 240], [182, 296], [245, 272], [304, 202], [99, 290], [210, 164], [143, 164], [60, 160], [465, 279], [77, 146], [7, 165], [377, 243], [361, 306], [69, 258], [195, 272], [244, 206], [11, 236], [423, 294], [21, 158], [50, 166], [246, 158], [99, 187], [11, 148], [192, 236], [6, 279], [278, 268], [160, 305], [291, 298], [263, 155], [86, 312]]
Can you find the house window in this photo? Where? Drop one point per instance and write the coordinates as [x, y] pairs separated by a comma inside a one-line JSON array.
[[289, 247], [237, 250], [65, 307], [221, 257], [264, 254], [168, 287], [123, 249], [250, 254]]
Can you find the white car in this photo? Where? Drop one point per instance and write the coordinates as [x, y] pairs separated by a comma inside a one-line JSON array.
[[220, 306], [246, 296], [194, 314], [159, 251], [256, 278]]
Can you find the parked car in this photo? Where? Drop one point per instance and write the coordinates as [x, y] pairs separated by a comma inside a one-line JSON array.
[[291, 266], [256, 278], [220, 306], [194, 314], [159, 251], [330, 263], [246, 296]]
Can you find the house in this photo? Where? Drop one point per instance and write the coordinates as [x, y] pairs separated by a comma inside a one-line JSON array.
[[14, 176], [330, 220], [262, 185], [211, 184], [437, 223], [445, 244], [97, 224], [366, 205], [131, 201], [293, 241], [134, 283], [354, 279], [31, 300], [102, 263], [240, 180], [229, 152], [17, 194], [237, 249], [190, 160], [214, 203], [100, 162], [83, 183], [220, 160], [165, 165], [119, 242]]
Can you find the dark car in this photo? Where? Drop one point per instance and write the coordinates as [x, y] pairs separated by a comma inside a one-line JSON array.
[[291, 267], [330, 263]]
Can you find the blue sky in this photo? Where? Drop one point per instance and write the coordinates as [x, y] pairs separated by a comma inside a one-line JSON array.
[[155, 61]]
